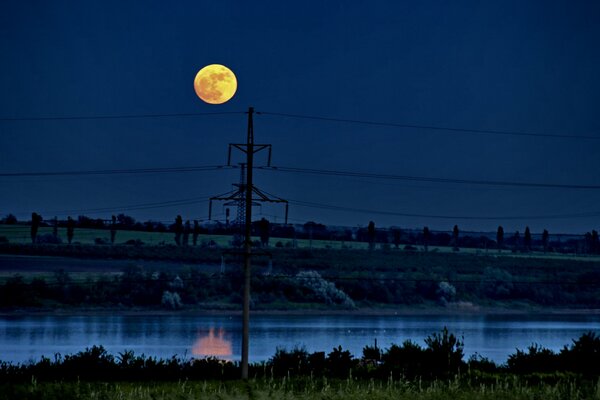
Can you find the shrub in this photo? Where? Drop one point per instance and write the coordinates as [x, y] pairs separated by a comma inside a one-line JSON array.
[[134, 242], [48, 238], [405, 360], [294, 362], [583, 355], [101, 241], [496, 283], [339, 363], [536, 359], [445, 293], [171, 300], [324, 290], [445, 353]]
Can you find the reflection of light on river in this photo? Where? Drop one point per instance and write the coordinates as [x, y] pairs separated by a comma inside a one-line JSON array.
[[213, 346]]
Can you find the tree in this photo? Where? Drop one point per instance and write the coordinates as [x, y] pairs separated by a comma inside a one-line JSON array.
[[55, 227], [426, 238], [371, 235], [455, 234], [113, 229], [35, 225], [527, 239], [125, 221], [10, 219], [195, 232], [178, 227], [264, 228], [500, 238], [186, 232], [545, 239], [517, 241], [595, 242], [396, 237], [70, 229]]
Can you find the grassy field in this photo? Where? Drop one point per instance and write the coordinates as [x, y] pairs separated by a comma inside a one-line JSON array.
[[21, 234], [507, 388]]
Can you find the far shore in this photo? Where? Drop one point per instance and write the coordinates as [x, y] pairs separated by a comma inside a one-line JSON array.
[[451, 310]]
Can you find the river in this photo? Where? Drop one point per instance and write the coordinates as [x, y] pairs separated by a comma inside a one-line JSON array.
[[26, 338]]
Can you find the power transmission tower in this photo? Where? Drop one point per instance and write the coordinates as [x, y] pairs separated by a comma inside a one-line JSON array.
[[245, 197]]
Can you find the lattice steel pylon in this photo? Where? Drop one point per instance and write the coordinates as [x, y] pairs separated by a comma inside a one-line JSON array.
[[237, 197]]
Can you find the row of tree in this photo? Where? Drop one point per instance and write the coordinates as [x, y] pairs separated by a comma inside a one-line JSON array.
[[183, 231]]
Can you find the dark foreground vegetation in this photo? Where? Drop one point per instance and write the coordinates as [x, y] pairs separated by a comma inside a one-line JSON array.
[[302, 278], [401, 371]]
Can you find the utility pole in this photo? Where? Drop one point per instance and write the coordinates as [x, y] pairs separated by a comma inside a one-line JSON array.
[[244, 196], [247, 245]]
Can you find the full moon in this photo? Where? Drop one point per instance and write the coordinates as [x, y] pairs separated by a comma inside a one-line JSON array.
[[215, 84]]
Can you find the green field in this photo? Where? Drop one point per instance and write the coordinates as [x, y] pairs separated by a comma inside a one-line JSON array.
[[21, 234]]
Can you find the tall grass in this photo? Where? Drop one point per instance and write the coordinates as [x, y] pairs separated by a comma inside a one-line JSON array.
[[311, 388]]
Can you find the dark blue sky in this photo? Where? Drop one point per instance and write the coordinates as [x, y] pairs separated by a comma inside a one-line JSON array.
[[511, 65]]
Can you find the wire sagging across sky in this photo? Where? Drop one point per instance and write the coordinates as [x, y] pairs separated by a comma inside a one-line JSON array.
[[355, 174], [428, 127]]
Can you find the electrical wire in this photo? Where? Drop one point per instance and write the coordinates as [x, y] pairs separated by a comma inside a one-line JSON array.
[[125, 116], [119, 171], [428, 127], [463, 217], [143, 206], [314, 171]]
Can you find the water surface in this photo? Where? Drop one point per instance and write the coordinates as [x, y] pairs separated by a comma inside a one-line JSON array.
[[24, 338]]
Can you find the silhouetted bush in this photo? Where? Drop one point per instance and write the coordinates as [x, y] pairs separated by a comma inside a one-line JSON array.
[[535, 359], [101, 241], [48, 238], [292, 363]]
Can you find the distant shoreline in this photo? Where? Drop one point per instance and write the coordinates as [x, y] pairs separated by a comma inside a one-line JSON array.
[[399, 311]]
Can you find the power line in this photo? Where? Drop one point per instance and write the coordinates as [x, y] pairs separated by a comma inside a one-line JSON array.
[[311, 171], [125, 116], [430, 127], [314, 171], [143, 206], [119, 171], [464, 217]]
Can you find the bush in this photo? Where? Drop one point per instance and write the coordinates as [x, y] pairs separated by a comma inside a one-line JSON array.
[[536, 359], [496, 283], [134, 242], [324, 290], [445, 293], [171, 300], [48, 238], [101, 241], [10, 219], [583, 356], [445, 353], [294, 362]]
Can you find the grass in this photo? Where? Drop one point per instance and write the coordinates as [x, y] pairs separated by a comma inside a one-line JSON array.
[[21, 234], [312, 388]]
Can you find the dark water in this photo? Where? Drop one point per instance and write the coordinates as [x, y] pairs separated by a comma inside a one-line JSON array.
[[27, 338]]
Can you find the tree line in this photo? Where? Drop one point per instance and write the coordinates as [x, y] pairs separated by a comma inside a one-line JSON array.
[[187, 233]]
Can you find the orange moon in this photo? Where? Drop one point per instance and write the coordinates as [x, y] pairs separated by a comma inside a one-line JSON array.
[[215, 84]]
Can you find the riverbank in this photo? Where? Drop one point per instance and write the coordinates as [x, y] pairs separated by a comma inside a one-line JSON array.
[[429, 310]]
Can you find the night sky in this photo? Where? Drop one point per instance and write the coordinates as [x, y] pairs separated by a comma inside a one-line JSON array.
[[526, 66]]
